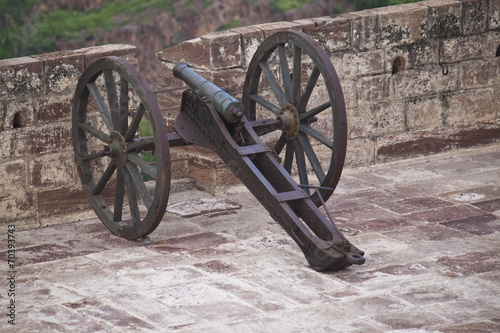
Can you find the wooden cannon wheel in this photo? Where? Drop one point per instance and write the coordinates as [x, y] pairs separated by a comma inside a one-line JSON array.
[[292, 78], [113, 110]]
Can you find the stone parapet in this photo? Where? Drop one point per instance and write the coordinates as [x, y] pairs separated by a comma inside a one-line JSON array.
[[418, 79], [38, 177]]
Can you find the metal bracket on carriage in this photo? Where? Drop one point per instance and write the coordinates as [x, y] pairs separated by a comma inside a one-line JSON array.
[[259, 169]]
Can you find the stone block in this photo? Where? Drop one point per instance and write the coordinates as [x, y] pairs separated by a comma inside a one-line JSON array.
[[349, 92], [365, 30], [493, 44], [251, 38], [91, 54], [14, 176], [6, 143], [360, 152], [21, 77], [373, 89], [225, 49], [474, 13], [404, 24], [470, 107], [215, 50], [274, 27], [54, 108], [231, 79], [365, 63], [17, 205], [424, 113], [425, 81], [480, 73], [19, 113], [62, 70], [42, 139], [494, 15], [443, 18], [463, 48], [333, 34], [194, 52], [53, 171], [375, 120], [61, 201]]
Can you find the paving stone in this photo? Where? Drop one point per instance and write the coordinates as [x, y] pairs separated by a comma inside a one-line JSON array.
[[429, 227]]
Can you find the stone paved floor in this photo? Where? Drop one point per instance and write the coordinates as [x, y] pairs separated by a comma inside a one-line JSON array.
[[430, 228]]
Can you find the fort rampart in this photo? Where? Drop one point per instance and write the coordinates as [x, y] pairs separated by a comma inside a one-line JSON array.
[[418, 79]]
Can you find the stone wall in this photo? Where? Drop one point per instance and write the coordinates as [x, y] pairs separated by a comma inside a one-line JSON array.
[[38, 177], [418, 79]]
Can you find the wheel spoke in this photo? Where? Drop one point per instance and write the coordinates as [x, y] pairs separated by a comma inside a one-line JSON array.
[[123, 125], [132, 200], [145, 167], [301, 166], [120, 186], [311, 83], [285, 72], [106, 176], [112, 97], [280, 144], [297, 74], [140, 185], [311, 156], [268, 105], [134, 125], [318, 136], [141, 144], [315, 111], [95, 132], [275, 86], [103, 109], [289, 156]]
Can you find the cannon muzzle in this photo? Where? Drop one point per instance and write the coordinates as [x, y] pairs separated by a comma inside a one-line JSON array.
[[227, 106]]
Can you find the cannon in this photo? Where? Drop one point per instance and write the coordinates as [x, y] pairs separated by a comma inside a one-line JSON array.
[[285, 141]]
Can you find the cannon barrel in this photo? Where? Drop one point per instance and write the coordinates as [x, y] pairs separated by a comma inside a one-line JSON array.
[[227, 106]]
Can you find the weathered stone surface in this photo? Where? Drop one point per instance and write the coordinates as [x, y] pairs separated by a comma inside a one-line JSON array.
[[53, 170], [61, 201], [93, 53], [463, 48], [470, 107], [403, 24], [425, 81], [225, 49], [443, 18], [373, 89], [42, 139], [494, 15], [424, 113], [365, 30], [333, 34], [475, 15], [14, 177], [365, 63], [54, 108], [62, 70], [480, 73], [251, 38], [20, 77], [19, 113]]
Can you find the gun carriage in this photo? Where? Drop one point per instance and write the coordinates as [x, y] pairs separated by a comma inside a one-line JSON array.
[[274, 140]]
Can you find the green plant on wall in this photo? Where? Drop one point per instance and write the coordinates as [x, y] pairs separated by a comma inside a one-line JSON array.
[[146, 131]]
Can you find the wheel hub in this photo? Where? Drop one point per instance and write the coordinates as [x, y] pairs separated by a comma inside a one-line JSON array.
[[290, 119], [118, 149]]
